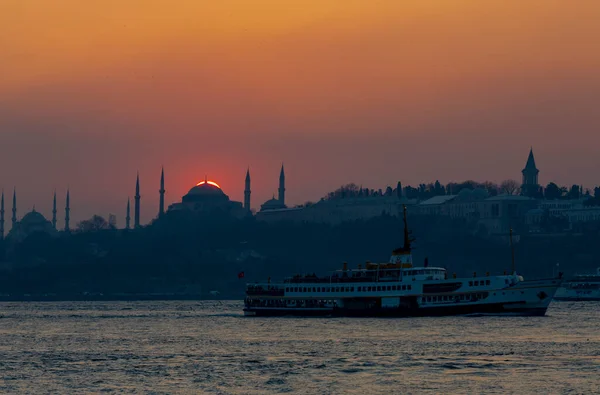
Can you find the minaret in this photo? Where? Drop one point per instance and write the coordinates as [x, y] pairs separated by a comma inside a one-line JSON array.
[[128, 215], [161, 204], [247, 191], [68, 212], [54, 211], [14, 209], [2, 216], [282, 186], [136, 214]]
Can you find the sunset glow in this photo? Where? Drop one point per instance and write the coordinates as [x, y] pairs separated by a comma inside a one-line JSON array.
[[333, 88], [209, 183]]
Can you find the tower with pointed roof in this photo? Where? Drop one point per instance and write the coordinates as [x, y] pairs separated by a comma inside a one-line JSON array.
[[247, 191], [530, 173], [2, 216], [161, 204], [136, 214], [68, 212], [282, 186], [54, 211]]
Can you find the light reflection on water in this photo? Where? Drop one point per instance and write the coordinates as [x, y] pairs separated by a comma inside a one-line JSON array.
[[209, 347]]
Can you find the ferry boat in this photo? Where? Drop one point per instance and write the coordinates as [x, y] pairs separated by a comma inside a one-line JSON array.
[[581, 287], [399, 289]]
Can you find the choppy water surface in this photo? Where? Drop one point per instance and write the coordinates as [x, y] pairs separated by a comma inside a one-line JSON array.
[[209, 347]]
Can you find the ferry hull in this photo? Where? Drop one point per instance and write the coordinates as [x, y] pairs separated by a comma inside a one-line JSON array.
[[482, 309]]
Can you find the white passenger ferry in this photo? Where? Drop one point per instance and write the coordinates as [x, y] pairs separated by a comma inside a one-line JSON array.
[[581, 287], [399, 289]]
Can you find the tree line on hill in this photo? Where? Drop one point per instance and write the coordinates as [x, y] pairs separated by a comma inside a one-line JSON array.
[[424, 191]]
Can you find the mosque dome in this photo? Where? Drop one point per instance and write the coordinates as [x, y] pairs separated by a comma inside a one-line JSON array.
[[206, 190], [272, 204], [32, 218]]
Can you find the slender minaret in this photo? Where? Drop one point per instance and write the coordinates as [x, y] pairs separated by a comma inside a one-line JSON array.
[[136, 214], [282, 186], [54, 211], [14, 209], [247, 191], [68, 211], [128, 215], [2, 216], [161, 204]]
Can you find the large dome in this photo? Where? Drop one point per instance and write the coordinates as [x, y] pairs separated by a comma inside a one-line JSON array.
[[206, 190], [33, 217]]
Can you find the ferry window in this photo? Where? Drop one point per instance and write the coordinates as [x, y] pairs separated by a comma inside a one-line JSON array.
[[303, 289], [351, 289], [404, 287], [470, 283], [314, 290], [370, 289], [393, 287], [409, 287], [295, 289], [286, 289], [476, 283], [379, 288], [359, 289], [337, 289], [487, 282]]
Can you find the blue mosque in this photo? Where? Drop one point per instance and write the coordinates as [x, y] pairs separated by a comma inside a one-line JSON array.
[[33, 221]]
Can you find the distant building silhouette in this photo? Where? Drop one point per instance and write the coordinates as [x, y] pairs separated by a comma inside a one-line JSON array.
[[279, 202], [32, 222], [530, 185], [208, 197]]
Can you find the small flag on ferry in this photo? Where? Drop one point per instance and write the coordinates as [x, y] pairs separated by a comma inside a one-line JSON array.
[[241, 275]]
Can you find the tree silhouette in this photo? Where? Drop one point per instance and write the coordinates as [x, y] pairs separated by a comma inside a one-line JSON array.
[[509, 187], [553, 191], [93, 224], [574, 192]]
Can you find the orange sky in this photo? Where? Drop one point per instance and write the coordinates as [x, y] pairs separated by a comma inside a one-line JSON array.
[[364, 91]]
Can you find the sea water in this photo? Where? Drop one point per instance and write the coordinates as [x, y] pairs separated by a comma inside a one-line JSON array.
[[210, 347]]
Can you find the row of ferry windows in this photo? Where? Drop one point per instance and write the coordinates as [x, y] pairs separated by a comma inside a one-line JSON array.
[[453, 298], [422, 271], [478, 283], [351, 289]]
